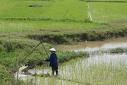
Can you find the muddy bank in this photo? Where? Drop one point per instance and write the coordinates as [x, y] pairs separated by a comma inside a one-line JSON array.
[[78, 45]]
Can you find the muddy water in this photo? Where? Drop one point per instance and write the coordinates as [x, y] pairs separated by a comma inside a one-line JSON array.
[[99, 69], [95, 44]]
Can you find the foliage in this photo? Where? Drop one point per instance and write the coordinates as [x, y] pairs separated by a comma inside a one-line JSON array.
[[53, 21], [5, 77]]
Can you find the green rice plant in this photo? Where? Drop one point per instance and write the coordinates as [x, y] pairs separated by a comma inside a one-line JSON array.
[[56, 16]]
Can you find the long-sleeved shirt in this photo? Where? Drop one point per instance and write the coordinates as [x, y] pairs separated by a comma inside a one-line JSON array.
[[53, 60]]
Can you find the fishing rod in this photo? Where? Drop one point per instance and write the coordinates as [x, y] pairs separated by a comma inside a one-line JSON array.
[[40, 43], [45, 50], [32, 50]]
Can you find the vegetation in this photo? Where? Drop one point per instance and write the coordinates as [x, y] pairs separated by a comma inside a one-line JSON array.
[[119, 50], [24, 23], [57, 15], [77, 72], [5, 77], [14, 54]]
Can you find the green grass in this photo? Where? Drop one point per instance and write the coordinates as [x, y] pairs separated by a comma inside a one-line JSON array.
[[15, 53], [104, 12], [53, 9], [98, 74], [43, 26], [5, 77], [19, 50], [62, 10], [18, 18], [57, 15], [72, 73]]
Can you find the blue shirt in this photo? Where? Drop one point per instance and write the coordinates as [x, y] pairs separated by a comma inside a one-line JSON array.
[[53, 60]]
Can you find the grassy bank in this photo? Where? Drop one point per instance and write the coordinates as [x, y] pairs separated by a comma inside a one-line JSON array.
[[112, 30], [20, 51], [53, 35]]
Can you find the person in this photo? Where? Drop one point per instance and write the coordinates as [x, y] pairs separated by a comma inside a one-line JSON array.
[[53, 61]]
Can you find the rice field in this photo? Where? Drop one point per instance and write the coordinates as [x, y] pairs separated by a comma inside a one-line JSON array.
[[20, 18], [27, 15], [92, 71], [44, 26], [62, 9]]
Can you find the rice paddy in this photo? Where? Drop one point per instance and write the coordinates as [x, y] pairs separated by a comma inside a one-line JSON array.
[[60, 24], [98, 69], [81, 72], [18, 16]]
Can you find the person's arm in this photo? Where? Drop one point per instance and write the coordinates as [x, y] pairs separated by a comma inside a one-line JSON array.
[[48, 59]]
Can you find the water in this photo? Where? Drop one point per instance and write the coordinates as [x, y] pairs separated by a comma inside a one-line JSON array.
[[105, 47], [101, 68]]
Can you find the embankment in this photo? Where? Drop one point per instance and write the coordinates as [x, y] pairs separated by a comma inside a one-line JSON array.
[[109, 31]]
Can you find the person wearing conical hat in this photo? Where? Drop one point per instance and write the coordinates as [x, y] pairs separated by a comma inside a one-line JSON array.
[[53, 61]]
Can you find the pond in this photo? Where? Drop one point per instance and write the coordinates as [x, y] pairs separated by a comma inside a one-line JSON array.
[[100, 68]]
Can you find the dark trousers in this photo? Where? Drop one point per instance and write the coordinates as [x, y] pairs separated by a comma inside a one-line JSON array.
[[54, 70]]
